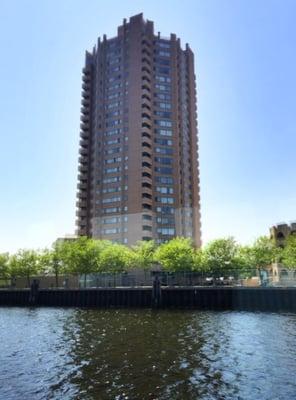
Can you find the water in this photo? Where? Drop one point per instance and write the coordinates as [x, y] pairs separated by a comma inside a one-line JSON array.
[[104, 354]]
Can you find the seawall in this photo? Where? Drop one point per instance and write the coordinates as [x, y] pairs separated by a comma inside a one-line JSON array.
[[200, 298]]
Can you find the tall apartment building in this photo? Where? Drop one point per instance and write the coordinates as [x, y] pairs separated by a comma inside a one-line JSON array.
[[138, 165]]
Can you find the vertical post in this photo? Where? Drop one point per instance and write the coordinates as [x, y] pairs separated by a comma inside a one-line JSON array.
[[33, 296], [156, 292]]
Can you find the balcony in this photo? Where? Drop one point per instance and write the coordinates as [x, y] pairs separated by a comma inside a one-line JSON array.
[[81, 203], [146, 106], [146, 76], [85, 102], [82, 194], [84, 111], [81, 213], [83, 151], [86, 86], [84, 142], [83, 168], [84, 126], [146, 159], [146, 199], [82, 185], [85, 94], [146, 122], [146, 180], [86, 77], [84, 118], [146, 93], [84, 135], [83, 177], [147, 144], [86, 70], [146, 83], [147, 193], [83, 160]]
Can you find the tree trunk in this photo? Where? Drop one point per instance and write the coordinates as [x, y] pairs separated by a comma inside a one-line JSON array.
[[28, 281], [84, 281], [57, 279]]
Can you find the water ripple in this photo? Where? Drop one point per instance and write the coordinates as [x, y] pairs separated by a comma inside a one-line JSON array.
[[126, 354]]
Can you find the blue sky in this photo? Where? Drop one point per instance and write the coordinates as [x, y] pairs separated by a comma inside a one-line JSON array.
[[246, 81]]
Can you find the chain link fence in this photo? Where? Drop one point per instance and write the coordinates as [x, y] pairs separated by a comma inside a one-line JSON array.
[[141, 278]]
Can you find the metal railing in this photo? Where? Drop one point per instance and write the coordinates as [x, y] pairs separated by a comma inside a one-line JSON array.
[[141, 278]]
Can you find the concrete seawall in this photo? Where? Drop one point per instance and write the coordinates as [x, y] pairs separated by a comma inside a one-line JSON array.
[[200, 298]]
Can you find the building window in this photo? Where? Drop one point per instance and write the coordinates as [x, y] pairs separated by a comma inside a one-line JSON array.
[[112, 170], [113, 132], [164, 123], [163, 96], [147, 217], [110, 231], [112, 189], [164, 170], [165, 210], [163, 160], [165, 190], [163, 44], [163, 114], [113, 150], [147, 228], [111, 199], [112, 160], [162, 88], [111, 220], [166, 231], [164, 142], [165, 200], [164, 106], [165, 220], [164, 79], [112, 179], [164, 150], [167, 180]]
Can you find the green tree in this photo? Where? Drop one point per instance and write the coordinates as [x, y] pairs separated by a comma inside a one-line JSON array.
[[25, 263], [198, 260], [82, 256], [289, 252], [4, 265], [222, 256], [52, 261], [115, 258], [143, 254], [176, 255], [263, 252]]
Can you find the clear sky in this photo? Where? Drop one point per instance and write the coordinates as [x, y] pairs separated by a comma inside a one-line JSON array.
[[246, 81]]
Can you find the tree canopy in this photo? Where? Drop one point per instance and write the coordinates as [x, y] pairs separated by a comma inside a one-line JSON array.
[[289, 252], [176, 255]]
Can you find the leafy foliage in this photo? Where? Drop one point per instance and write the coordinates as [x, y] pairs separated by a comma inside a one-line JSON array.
[[222, 255], [262, 253], [25, 263], [85, 256], [144, 254], [4, 265], [289, 252], [176, 255], [115, 258]]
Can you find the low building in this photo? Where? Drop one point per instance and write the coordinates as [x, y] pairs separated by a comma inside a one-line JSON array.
[[280, 232], [279, 275]]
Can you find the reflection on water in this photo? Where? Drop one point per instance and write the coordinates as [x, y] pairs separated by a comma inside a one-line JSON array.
[[127, 354]]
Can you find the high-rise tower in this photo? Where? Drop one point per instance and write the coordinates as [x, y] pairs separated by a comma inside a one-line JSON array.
[[138, 165]]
